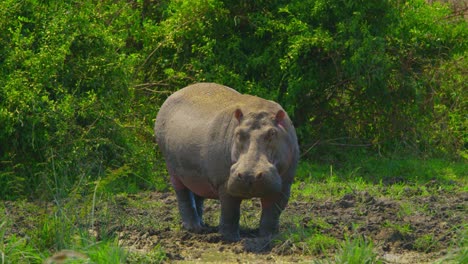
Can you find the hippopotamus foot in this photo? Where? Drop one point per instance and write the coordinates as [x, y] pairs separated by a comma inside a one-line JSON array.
[[268, 226], [230, 214], [269, 221], [271, 211], [191, 210]]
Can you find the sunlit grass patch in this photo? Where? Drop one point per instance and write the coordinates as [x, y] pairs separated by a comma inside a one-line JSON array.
[[458, 251], [356, 250], [395, 178], [387, 170], [410, 208], [107, 251], [306, 241], [426, 243], [403, 229], [14, 249], [155, 255], [307, 238]]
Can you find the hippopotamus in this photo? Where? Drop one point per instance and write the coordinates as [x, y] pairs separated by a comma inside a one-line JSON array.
[[221, 144]]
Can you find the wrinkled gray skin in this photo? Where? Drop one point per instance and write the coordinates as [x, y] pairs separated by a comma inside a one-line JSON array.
[[221, 144]]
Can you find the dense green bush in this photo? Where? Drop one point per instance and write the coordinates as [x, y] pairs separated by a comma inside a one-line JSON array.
[[351, 73], [81, 82], [66, 103], [356, 70]]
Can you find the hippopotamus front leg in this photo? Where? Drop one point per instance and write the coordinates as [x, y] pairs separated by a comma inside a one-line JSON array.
[[230, 215], [271, 211]]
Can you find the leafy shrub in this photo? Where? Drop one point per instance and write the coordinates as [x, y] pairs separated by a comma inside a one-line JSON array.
[[66, 103], [350, 73]]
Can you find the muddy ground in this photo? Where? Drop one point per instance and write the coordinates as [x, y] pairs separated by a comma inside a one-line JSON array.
[[412, 228], [422, 233]]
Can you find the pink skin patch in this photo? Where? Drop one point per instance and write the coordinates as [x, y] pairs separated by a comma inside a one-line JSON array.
[[176, 183], [268, 202], [205, 190]]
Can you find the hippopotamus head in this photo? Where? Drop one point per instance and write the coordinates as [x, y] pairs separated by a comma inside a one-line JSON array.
[[259, 154]]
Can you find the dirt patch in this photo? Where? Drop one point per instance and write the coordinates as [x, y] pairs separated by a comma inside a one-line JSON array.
[[418, 234], [413, 228]]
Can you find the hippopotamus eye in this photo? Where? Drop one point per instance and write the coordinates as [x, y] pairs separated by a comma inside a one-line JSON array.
[[241, 135], [271, 134]]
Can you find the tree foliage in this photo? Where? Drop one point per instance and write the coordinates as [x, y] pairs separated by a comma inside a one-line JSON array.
[[81, 82]]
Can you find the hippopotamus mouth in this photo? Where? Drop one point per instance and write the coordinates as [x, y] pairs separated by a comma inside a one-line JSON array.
[[254, 183]]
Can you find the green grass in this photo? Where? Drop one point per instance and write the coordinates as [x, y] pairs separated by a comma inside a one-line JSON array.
[[458, 252], [357, 250], [67, 228], [307, 241], [319, 224], [403, 230], [14, 249], [387, 170], [320, 243], [394, 177], [353, 250], [156, 255], [399, 179], [55, 235], [105, 252], [70, 222], [426, 243]]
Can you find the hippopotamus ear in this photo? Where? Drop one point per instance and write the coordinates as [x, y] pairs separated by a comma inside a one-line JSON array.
[[238, 114], [280, 115]]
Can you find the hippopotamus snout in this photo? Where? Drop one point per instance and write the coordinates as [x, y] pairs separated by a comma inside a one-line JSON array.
[[254, 181], [250, 178]]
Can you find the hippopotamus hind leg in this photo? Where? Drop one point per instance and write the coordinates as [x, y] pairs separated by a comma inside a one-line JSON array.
[[199, 207], [190, 205], [188, 209]]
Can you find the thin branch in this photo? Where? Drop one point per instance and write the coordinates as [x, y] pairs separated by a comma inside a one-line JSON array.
[[151, 84], [350, 145], [330, 142], [310, 148], [460, 12], [155, 91]]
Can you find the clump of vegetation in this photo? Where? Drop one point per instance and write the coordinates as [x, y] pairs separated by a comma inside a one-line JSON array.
[[68, 110], [14, 249], [426, 243], [156, 255], [356, 250], [305, 241]]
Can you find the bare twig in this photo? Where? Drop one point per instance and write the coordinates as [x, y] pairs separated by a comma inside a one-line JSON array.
[[458, 13], [331, 142], [310, 148], [350, 145], [146, 85]]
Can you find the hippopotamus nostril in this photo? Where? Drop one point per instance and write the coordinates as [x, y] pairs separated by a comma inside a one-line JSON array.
[[239, 176]]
